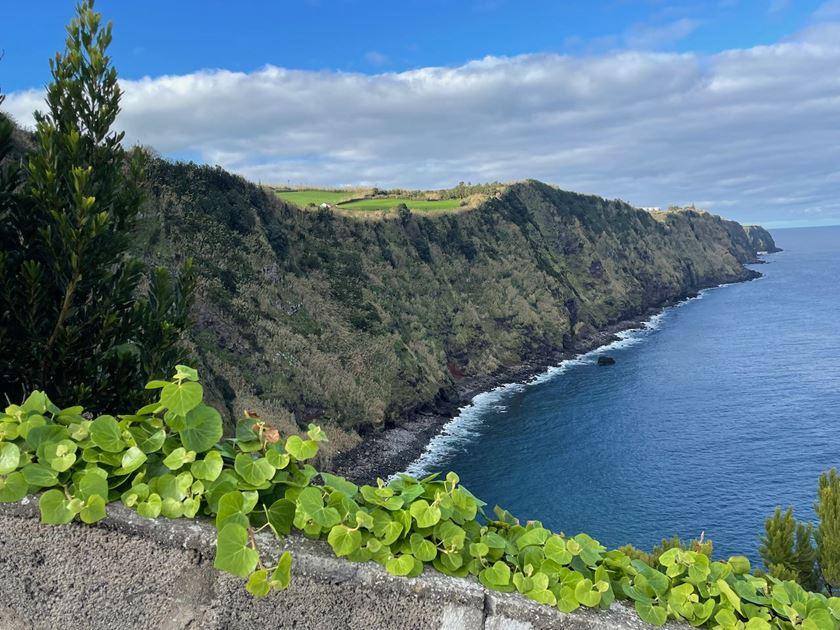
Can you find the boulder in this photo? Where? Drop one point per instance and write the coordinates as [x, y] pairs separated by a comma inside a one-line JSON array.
[[605, 360]]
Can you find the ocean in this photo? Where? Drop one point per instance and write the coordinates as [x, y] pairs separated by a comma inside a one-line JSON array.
[[720, 409]]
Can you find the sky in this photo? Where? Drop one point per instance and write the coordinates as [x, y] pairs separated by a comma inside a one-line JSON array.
[[733, 105]]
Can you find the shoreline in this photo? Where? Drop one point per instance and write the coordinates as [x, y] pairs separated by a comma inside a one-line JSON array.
[[396, 448]]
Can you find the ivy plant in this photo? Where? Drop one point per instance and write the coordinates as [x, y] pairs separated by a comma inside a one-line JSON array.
[[170, 459]]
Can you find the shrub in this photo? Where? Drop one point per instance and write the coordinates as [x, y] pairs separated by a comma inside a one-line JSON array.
[[72, 318]]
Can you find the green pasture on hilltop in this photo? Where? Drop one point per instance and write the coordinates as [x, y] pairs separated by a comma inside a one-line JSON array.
[[386, 203], [303, 198]]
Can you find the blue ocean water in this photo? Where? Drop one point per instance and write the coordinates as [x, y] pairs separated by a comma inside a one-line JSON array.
[[721, 409]]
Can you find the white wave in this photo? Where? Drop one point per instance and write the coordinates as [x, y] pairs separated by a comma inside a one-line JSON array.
[[464, 428]]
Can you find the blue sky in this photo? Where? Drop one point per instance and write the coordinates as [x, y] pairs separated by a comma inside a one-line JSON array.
[[730, 104], [154, 37]]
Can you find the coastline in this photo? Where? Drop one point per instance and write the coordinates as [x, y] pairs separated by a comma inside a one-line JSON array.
[[396, 448]]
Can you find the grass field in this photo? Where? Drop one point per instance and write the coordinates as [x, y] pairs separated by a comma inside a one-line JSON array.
[[386, 203], [303, 198]]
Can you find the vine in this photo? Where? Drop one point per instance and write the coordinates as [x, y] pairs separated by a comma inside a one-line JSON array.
[[170, 459]]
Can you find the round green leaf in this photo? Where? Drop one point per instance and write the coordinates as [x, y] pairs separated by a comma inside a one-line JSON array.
[[202, 428], [94, 509], [344, 540], [13, 487], [54, 508], [253, 471], [39, 475], [425, 514], [652, 614], [60, 455], [400, 565], [233, 553], [181, 398], [301, 449], [9, 457], [424, 550], [105, 433], [209, 468], [281, 515]]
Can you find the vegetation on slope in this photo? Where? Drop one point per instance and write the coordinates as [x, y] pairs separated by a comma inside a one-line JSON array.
[[360, 323], [166, 460]]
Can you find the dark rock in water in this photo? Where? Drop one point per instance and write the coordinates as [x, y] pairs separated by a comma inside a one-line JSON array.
[[606, 361]]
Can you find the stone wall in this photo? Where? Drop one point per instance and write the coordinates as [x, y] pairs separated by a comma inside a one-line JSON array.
[[130, 572]]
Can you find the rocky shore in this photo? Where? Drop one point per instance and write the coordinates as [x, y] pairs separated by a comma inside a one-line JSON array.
[[394, 448]]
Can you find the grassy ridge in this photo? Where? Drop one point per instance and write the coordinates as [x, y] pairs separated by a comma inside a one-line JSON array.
[[314, 197], [392, 202]]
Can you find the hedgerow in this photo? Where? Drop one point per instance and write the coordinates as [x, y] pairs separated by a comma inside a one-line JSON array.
[[170, 459]]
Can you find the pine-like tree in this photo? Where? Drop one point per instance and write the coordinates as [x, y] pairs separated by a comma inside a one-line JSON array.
[[787, 549], [827, 508], [73, 320]]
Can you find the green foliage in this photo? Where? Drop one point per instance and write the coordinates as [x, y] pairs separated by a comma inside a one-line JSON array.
[[256, 482], [72, 320], [787, 549], [827, 508]]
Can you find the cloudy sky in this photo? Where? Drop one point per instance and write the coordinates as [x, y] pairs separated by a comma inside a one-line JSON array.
[[731, 105]]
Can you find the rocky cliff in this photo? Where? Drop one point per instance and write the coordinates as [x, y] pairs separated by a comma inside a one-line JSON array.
[[760, 239], [361, 321]]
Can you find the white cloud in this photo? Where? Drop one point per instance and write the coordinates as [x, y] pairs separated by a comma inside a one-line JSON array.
[[753, 132]]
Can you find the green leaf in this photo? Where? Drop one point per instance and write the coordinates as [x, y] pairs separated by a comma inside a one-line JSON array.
[[497, 575], [400, 565], [202, 428], [651, 613], [344, 540], [178, 458], [181, 398], [94, 510], [301, 449], [280, 515], [730, 595], [740, 565], [186, 373], [232, 508], [209, 468], [93, 482], [425, 514], [257, 583], [13, 487], [54, 508], [340, 484], [60, 455], [276, 458], [555, 549], [422, 549], [105, 433], [254, 471], [566, 600], [150, 508], [233, 554], [283, 573], [156, 384], [9, 457], [132, 459], [585, 593], [39, 475]]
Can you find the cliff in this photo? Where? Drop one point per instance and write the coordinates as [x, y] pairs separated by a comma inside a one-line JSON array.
[[760, 239], [360, 321]]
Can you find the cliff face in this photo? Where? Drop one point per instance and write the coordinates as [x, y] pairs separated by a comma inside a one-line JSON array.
[[760, 239], [359, 321]]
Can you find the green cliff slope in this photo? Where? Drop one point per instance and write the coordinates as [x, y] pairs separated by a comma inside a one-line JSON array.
[[361, 322]]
